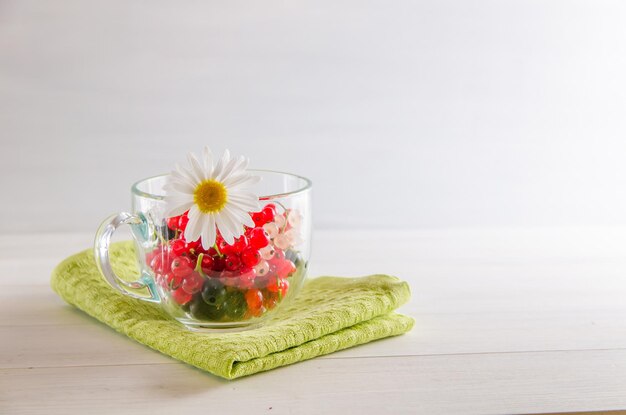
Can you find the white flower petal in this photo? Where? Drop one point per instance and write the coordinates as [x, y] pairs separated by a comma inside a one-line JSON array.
[[224, 228], [178, 209], [193, 229], [179, 186], [208, 232], [226, 170], [202, 225], [240, 215], [221, 164], [207, 158], [182, 175], [241, 180], [196, 167], [236, 227], [250, 205]]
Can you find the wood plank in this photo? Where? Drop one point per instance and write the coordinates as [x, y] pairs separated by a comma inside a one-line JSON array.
[[487, 384], [90, 342]]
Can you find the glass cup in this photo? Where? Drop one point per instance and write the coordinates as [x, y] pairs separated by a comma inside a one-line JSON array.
[[227, 286]]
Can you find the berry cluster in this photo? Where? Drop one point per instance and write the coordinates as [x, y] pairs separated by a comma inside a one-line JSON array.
[[229, 282]]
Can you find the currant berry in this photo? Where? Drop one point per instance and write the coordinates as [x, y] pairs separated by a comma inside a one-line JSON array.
[[213, 292], [181, 267], [281, 242], [272, 285], [225, 248], [267, 252], [207, 264], [181, 296], [150, 256], [259, 238], [232, 262], [160, 264], [193, 283], [172, 222], [255, 312], [269, 211], [258, 218], [173, 282], [272, 229], [182, 221], [285, 268], [254, 298], [278, 285], [294, 218], [246, 278], [202, 311], [269, 300], [193, 245], [262, 269], [280, 221], [240, 244], [219, 264], [284, 287], [178, 247], [250, 257], [235, 305]]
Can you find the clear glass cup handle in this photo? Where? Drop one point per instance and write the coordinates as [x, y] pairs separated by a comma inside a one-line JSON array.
[[101, 253]]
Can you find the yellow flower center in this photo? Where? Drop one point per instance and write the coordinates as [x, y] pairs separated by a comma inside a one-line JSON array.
[[210, 196]]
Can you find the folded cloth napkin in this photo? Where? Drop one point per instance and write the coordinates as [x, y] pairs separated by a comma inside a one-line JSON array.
[[329, 314]]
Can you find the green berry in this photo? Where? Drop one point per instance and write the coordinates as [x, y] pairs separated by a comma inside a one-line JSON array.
[[235, 305], [214, 293]]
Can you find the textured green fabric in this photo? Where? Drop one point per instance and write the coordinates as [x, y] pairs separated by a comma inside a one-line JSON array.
[[329, 314]]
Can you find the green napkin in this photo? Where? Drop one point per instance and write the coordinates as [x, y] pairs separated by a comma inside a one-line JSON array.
[[329, 314]]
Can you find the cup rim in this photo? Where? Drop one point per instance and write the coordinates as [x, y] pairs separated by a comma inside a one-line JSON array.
[[307, 186]]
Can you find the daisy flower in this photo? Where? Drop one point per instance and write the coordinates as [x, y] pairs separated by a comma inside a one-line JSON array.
[[215, 196]]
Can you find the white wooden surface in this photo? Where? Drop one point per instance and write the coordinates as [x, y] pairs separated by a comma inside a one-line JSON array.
[[507, 321]]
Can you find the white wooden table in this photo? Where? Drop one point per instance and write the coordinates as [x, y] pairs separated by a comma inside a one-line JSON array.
[[507, 321]]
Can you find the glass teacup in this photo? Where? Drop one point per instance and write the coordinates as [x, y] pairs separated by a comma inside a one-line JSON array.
[[226, 286]]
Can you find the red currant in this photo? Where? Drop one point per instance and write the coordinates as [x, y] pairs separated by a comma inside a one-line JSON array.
[[172, 222], [193, 245], [181, 267], [240, 244], [182, 221], [232, 262], [181, 296], [207, 264], [160, 264], [250, 257], [173, 282], [254, 298], [193, 283], [278, 285], [285, 269], [259, 218], [178, 247], [268, 212], [219, 264], [226, 249], [247, 278], [150, 256], [259, 238], [284, 287]]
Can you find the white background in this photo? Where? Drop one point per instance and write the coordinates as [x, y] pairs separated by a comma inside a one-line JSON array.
[[413, 114]]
